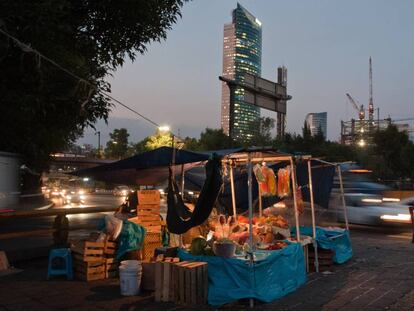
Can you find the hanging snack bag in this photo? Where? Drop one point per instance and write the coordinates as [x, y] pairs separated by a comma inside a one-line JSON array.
[[299, 200], [257, 169], [270, 180], [283, 178]]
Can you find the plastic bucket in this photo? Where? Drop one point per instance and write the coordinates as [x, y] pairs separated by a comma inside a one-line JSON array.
[[130, 273]]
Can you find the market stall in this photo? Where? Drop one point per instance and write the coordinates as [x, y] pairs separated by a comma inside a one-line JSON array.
[[252, 257], [255, 257]]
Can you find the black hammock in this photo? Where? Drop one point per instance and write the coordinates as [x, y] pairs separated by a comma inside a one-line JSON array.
[[179, 217]]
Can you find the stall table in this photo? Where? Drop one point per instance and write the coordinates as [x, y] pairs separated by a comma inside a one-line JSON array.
[[273, 275]]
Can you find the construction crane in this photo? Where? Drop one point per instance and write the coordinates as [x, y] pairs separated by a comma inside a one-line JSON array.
[[371, 101], [357, 106]]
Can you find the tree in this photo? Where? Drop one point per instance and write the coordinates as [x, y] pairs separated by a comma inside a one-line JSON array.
[[392, 155], [214, 139], [263, 137], [43, 108], [117, 146], [159, 140]]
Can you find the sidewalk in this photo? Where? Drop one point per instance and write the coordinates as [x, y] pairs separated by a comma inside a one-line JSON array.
[[379, 277]]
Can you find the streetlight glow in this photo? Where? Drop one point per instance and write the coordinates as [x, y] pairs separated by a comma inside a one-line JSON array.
[[361, 143], [164, 128]]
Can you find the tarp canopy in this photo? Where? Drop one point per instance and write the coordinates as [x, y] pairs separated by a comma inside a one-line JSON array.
[[322, 179], [147, 168]]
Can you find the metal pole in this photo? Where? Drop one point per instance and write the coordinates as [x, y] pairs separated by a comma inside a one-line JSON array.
[[233, 193], [295, 202], [315, 246], [260, 201], [341, 185], [250, 198], [182, 181]]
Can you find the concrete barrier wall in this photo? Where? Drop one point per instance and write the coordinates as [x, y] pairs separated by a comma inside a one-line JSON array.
[[399, 194], [9, 179]]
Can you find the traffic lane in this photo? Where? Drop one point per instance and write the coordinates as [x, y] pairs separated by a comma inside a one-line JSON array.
[[92, 200]]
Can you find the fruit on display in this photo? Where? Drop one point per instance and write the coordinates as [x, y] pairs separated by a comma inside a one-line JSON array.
[[198, 246]]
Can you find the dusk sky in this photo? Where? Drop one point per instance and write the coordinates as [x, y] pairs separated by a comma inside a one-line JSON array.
[[325, 45]]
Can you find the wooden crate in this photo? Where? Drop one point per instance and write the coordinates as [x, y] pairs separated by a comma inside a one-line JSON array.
[[153, 226], [110, 248], [190, 283], [325, 259], [88, 251], [89, 271], [111, 268], [163, 279], [151, 242], [149, 197]]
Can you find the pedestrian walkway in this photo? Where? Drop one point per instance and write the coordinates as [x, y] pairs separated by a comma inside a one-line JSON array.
[[379, 277]]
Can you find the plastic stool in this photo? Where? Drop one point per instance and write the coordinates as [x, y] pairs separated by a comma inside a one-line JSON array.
[[66, 255]]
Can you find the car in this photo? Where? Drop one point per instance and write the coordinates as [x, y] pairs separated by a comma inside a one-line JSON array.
[[74, 196], [369, 209], [122, 191]]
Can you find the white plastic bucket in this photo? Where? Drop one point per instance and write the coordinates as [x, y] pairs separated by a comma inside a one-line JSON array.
[[130, 273]]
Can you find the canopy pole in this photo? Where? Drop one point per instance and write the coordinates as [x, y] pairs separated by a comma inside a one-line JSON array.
[[233, 194], [295, 202], [341, 185], [250, 198], [315, 245], [260, 201], [182, 181]]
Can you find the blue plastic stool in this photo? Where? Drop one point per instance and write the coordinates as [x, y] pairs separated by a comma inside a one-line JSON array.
[[66, 255]]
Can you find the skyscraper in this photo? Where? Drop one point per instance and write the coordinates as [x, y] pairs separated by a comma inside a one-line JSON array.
[[316, 122], [242, 53]]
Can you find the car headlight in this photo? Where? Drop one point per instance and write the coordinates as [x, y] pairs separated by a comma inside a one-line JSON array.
[[81, 192], [68, 197], [82, 197], [396, 218]]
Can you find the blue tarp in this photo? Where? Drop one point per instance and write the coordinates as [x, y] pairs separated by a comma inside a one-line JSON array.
[[131, 238], [335, 240], [281, 273]]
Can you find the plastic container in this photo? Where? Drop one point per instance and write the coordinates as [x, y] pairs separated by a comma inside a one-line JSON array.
[[130, 274], [226, 249]]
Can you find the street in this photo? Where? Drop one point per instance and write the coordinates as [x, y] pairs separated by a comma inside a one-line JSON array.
[[32, 223], [380, 276]]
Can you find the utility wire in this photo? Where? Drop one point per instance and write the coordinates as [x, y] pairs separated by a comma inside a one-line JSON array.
[[28, 48]]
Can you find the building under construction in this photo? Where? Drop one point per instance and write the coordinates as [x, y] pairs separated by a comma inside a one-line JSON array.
[[361, 132]]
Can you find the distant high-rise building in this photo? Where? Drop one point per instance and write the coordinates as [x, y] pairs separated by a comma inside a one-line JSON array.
[[242, 53], [317, 122]]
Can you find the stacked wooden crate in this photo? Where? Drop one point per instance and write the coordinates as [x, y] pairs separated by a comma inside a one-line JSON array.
[[88, 260], [148, 216], [111, 264], [325, 259], [184, 283], [94, 260]]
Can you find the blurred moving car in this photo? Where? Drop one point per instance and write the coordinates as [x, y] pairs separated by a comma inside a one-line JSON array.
[[121, 191], [370, 209], [73, 195]]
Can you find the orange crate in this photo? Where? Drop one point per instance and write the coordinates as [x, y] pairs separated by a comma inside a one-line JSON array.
[[151, 242]]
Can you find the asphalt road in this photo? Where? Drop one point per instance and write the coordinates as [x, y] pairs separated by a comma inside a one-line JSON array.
[[16, 225], [27, 224]]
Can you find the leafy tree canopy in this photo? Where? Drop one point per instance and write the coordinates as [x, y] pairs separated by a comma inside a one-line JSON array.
[[117, 146], [45, 109]]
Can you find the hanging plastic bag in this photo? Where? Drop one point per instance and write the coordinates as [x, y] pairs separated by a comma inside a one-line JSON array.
[[283, 182], [299, 200], [270, 180], [257, 169]]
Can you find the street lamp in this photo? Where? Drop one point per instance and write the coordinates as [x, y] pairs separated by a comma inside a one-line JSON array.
[[99, 142], [164, 129]]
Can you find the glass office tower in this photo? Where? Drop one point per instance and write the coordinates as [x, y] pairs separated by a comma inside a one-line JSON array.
[[316, 122], [242, 53]]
